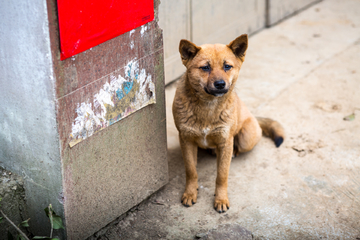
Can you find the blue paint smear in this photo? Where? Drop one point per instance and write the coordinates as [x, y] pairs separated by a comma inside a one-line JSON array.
[[114, 120], [129, 71], [119, 93], [127, 86]]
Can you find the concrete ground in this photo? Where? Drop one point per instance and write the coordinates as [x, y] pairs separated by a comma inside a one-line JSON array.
[[304, 72]]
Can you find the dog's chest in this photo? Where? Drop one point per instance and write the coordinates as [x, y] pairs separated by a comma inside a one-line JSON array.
[[203, 139], [207, 126], [206, 137]]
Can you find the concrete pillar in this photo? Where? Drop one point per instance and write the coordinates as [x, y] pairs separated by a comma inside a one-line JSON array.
[[93, 182], [29, 140]]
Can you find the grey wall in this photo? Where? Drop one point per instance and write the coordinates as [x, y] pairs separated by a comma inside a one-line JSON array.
[[205, 21], [211, 21], [279, 9], [29, 144]]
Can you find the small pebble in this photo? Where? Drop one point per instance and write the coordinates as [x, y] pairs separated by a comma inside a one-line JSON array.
[[200, 235]]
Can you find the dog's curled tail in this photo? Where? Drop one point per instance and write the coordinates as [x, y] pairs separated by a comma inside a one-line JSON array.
[[272, 129]]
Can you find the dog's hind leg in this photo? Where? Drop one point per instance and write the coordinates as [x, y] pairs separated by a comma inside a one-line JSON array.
[[248, 137], [189, 152]]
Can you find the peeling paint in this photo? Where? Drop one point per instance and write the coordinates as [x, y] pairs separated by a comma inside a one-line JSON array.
[[115, 100], [143, 29], [132, 45]]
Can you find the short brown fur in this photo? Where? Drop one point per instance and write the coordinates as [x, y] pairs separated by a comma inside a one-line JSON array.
[[209, 114]]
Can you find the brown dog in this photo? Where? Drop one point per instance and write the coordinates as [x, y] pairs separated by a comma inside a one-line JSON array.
[[209, 114]]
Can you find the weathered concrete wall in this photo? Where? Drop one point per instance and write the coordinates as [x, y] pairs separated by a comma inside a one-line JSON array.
[[278, 9], [204, 21], [29, 143], [114, 169], [221, 22], [211, 21], [175, 20]]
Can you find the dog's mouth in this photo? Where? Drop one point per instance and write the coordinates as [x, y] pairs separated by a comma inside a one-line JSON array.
[[216, 92]]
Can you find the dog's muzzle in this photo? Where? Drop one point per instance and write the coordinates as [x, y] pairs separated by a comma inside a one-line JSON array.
[[217, 89], [216, 92]]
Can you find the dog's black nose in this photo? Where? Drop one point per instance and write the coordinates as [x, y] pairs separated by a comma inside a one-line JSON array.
[[219, 84]]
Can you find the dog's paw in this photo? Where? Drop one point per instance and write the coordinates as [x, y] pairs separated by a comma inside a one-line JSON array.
[[221, 205], [189, 199]]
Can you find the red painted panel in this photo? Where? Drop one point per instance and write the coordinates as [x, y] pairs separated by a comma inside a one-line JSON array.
[[86, 23]]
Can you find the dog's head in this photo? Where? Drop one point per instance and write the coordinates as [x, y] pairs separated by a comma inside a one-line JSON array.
[[213, 68]]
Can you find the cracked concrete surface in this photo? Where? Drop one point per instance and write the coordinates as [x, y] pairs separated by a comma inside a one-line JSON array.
[[304, 72]]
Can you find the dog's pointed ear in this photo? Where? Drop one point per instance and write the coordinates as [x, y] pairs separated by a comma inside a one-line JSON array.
[[187, 50], [239, 46]]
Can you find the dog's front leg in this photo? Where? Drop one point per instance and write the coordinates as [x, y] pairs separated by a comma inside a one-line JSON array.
[[189, 152], [224, 155]]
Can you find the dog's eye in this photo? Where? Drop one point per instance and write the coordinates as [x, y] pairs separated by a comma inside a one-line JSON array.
[[205, 68], [227, 67]]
